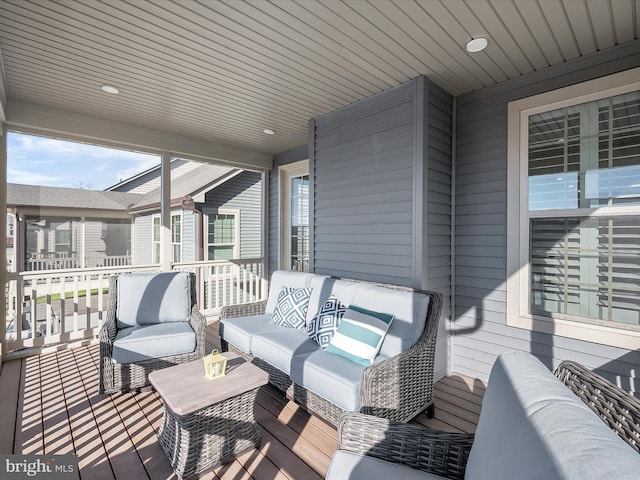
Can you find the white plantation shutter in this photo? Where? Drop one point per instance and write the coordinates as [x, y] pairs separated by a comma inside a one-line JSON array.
[[586, 159]]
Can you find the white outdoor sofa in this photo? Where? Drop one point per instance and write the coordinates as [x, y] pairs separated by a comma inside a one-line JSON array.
[[399, 383]]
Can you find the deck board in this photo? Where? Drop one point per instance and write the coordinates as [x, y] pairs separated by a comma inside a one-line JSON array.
[[9, 401], [51, 404]]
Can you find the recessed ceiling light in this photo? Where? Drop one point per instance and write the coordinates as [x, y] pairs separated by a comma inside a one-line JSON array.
[[268, 131], [477, 44], [110, 89]]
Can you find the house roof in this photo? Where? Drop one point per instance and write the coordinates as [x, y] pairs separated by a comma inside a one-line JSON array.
[[19, 195], [224, 71], [136, 193], [187, 184]]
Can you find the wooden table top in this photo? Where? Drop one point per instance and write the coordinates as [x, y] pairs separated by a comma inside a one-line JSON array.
[[185, 388]]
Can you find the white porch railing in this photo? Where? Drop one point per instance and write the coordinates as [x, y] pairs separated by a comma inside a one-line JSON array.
[[60, 262], [70, 305]]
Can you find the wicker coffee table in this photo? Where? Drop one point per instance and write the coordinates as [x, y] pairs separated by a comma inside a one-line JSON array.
[[207, 422]]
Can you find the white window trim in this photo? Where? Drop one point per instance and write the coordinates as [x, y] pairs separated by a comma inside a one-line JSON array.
[[177, 213], [236, 244], [285, 173], [623, 336]]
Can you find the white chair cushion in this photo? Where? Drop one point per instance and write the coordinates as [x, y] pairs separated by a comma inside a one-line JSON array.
[[149, 298], [145, 342]]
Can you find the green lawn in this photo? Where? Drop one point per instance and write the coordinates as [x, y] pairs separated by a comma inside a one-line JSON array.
[[81, 293]]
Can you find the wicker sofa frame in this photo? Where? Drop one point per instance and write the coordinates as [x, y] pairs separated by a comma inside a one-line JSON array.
[[116, 377], [446, 454], [398, 388]]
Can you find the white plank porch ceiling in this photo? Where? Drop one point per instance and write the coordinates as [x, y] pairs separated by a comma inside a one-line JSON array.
[[225, 70]]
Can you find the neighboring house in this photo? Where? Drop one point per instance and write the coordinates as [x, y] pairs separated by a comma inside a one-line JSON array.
[[68, 227], [215, 215]]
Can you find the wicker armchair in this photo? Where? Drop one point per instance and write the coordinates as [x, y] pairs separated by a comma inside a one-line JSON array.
[[398, 388], [121, 377], [446, 454]]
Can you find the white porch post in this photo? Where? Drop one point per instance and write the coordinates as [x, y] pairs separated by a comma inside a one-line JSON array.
[[165, 212], [3, 236]]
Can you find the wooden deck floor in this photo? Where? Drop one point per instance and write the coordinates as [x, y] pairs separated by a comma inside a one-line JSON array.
[[49, 404]]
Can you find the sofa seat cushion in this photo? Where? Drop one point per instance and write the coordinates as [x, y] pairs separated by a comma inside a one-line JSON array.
[[239, 331], [531, 427], [145, 342], [351, 466], [149, 298], [330, 376], [279, 347]]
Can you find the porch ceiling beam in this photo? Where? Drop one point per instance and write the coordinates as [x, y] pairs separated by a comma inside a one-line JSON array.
[[34, 118]]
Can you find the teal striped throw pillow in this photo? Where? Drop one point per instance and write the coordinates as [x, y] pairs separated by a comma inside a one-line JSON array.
[[360, 334]]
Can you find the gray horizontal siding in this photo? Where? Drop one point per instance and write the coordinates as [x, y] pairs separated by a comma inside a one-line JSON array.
[[437, 209], [479, 328], [242, 192], [142, 240], [382, 182], [363, 181], [190, 234]]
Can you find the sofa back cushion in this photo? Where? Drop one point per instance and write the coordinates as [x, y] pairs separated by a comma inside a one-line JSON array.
[[281, 279], [409, 309], [150, 298], [532, 427]]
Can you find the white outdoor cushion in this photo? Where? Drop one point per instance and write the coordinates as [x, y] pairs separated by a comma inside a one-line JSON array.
[[282, 278], [239, 331], [149, 298], [279, 347], [532, 426], [331, 376], [145, 342], [351, 466]]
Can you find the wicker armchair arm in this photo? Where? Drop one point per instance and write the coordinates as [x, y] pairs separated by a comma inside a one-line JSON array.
[[416, 446], [198, 322], [400, 387], [109, 330], [243, 310], [617, 408]]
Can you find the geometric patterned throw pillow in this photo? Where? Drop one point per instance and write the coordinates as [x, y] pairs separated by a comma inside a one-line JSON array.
[[360, 334], [325, 323], [291, 308]]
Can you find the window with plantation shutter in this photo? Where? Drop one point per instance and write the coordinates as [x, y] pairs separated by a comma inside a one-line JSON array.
[[575, 210]]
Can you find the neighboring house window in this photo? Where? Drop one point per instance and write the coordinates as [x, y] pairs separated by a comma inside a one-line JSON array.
[[222, 235], [176, 238], [155, 239], [294, 216], [574, 212], [62, 238]]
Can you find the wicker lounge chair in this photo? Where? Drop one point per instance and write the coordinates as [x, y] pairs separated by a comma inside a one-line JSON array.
[[446, 454], [143, 298]]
